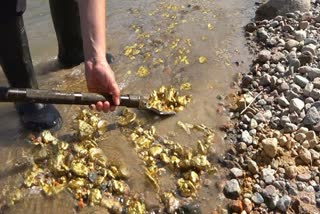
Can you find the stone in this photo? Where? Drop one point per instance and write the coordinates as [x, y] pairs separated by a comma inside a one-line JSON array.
[[296, 105], [284, 203], [306, 57], [253, 167], [247, 205], [264, 56], [308, 89], [305, 69], [283, 102], [236, 206], [271, 196], [300, 137], [280, 68], [246, 137], [262, 34], [291, 43], [303, 25], [304, 177], [270, 146], [300, 80], [311, 48], [291, 171], [312, 117], [284, 86], [253, 123], [316, 82], [274, 8], [232, 189], [313, 72], [277, 57], [300, 35], [268, 175], [257, 198], [241, 147], [305, 155], [315, 94], [315, 155], [236, 172]]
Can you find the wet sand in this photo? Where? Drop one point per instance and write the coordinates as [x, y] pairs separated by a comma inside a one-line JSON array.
[[223, 46]]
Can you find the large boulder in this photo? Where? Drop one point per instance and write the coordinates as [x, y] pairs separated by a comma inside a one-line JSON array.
[[272, 8]]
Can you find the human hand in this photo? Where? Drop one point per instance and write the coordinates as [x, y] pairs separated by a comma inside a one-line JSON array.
[[100, 79]]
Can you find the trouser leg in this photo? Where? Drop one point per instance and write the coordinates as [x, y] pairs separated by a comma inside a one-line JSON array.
[[15, 56], [66, 21]]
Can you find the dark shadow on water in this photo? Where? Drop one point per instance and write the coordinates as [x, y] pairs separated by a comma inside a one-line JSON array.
[[53, 65]]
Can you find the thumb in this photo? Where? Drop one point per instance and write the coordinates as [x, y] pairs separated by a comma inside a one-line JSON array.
[[116, 94]]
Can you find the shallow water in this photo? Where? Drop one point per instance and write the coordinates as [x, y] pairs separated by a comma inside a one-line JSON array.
[[222, 46]]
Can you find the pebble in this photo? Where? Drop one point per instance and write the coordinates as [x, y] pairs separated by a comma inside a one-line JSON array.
[[300, 80], [316, 82], [270, 146], [296, 105], [305, 155], [257, 198], [308, 89], [313, 73], [236, 172], [264, 56], [246, 137], [253, 167], [283, 102], [291, 43], [268, 175], [284, 203], [232, 189], [300, 35], [312, 117], [304, 177], [236, 206]]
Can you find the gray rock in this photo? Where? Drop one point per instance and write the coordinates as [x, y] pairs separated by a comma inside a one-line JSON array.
[[312, 117], [315, 94], [273, 8], [246, 137], [280, 68], [316, 82], [268, 175], [300, 35], [257, 198], [300, 80], [284, 86], [303, 25], [262, 34], [313, 72], [265, 80], [264, 56], [291, 43], [232, 189], [270, 146], [277, 57], [305, 69], [284, 203], [284, 120], [271, 196], [290, 127], [236, 172], [308, 89], [296, 105], [291, 94], [259, 117], [283, 102], [311, 48]]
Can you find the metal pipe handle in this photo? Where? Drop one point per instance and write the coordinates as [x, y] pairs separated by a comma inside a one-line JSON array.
[[60, 97]]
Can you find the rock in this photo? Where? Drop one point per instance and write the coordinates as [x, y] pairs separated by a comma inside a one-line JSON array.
[[236, 172], [304, 177], [315, 94], [300, 35], [303, 25], [262, 34], [283, 102], [241, 147], [257, 198], [284, 86], [246, 137], [284, 203], [308, 89], [253, 167], [273, 8], [312, 72], [268, 175], [251, 27], [236, 206], [300, 137], [270, 146], [312, 117], [300, 80], [314, 154], [306, 57], [271, 196], [296, 105], [277, 57], [284, 121], [305, 155], [311, 48], [305, 69], [247, 205], [291, 43], [264, 56], [316, 82], [291, 171], [232, 189]]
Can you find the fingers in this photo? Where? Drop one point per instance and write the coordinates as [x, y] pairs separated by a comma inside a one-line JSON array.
[[116, 94]]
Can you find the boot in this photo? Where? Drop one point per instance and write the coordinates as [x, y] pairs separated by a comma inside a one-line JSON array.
[[66, 22], [17, 65]]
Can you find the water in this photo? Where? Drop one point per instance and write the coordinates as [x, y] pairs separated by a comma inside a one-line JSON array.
[[222, 46]]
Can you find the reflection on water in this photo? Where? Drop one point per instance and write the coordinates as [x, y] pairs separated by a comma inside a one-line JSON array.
[[220, 42]]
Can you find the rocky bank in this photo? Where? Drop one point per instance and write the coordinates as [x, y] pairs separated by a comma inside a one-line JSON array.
[[275, 161]]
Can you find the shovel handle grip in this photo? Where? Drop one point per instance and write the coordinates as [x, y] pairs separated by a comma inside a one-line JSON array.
[[59, 97]]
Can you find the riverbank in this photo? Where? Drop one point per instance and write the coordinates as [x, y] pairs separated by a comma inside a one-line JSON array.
[[275, 119]]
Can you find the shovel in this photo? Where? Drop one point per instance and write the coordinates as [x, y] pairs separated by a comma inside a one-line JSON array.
[[61, 97]]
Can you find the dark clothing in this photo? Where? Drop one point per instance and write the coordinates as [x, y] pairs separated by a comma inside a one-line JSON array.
[[10, 8]]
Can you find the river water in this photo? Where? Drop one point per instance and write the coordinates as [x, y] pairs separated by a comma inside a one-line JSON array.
[[221, 42]]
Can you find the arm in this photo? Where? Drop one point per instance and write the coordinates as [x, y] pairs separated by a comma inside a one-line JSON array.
[[99, 75]]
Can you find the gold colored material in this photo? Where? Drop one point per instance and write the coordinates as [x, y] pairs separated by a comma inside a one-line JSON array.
[[143, 71], [202, 59], [185, 86], [127, 117]]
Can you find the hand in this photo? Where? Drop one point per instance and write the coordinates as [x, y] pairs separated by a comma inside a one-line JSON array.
[[100, 79]]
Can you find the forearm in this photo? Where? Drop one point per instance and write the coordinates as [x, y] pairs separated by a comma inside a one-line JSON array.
[[92, 17]]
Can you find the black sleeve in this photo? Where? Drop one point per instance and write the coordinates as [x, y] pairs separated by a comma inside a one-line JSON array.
[[9, 8]]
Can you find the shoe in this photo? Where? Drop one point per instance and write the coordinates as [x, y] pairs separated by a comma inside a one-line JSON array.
[[74, 60], [38, 117]]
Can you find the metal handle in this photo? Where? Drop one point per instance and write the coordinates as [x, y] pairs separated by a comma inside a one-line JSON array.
[[59, 97]]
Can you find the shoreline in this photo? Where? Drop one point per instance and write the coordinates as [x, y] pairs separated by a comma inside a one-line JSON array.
[[275, 160]]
